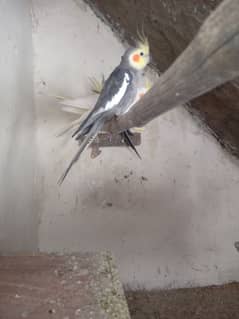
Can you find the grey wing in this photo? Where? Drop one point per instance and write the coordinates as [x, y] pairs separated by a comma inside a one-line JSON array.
[[120, 80], [118, 85]]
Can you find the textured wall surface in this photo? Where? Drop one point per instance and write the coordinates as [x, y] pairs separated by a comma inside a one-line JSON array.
[[18, 217], [170, 219], [170, 26]]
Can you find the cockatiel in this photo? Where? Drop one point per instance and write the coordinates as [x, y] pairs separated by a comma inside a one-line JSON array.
[[118, 94], [80, 107], [142, 88]]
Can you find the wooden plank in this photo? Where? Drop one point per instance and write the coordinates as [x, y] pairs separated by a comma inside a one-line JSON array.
[[114, 140], [209, 61], [68, 286], [111, 140]]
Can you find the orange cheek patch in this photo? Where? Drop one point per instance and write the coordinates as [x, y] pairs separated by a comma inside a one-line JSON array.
[[136, 57], [141, 95]]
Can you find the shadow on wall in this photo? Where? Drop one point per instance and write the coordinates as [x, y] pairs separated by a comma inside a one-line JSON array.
[[134, 208]]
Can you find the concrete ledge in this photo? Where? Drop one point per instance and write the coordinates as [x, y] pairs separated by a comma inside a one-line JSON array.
[[66, 286]]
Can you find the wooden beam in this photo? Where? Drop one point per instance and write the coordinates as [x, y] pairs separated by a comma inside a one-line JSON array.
[[210, 60]]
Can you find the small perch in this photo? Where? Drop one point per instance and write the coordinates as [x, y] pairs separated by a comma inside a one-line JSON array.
[[109, 140], [106, 140]]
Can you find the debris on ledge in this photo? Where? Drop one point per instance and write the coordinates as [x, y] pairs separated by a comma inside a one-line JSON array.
[[80, 286]]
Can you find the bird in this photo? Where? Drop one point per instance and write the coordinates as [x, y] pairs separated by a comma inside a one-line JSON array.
[[119, 92], [75, 106]]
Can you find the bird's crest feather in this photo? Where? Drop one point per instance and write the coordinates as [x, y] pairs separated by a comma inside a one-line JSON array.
[[142, 40]]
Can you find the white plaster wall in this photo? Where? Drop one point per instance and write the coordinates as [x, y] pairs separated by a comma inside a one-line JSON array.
[[175, 229], [18, 217]]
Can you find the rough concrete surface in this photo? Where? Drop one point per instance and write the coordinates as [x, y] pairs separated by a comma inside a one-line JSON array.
[[216, 302], [84, 286], [171, 219], [18, 213]]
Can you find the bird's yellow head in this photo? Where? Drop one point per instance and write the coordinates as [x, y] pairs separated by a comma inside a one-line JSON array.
[[139, 56]]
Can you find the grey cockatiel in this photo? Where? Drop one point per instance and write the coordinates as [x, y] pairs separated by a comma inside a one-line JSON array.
[[118, 94]]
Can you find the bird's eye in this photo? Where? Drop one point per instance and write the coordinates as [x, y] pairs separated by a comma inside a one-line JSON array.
[[141, 53]]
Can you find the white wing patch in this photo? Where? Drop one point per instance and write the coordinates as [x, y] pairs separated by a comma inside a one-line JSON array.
[[119, 95]]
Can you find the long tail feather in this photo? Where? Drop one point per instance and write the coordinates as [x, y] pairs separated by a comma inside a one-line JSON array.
[[69, 127], [74, 109], [128, 142], [86, 141], [83, 126], [72, 125]]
